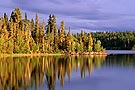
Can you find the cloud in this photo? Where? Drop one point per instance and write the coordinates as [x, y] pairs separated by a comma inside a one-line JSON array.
[[89, 15]]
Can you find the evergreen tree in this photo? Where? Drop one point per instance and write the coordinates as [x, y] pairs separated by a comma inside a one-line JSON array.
[[90, 42], [32, 28], [27, 38], [52, 32], [11, 37], [16, 15], [69, 40], [42, 37], [25, 16], [4, 36], [37, 29], [81, 46], [5, 19], [1, 23], [97, 47], [62, 36]]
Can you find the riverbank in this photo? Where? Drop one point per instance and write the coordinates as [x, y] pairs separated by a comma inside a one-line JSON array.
[[55, 54], [87, 53], [33, 54]]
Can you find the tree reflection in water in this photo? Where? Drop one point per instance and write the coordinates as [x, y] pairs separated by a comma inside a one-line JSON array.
[[23, 73]]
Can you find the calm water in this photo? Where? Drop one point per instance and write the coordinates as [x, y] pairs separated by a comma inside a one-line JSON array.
[[120, 51], [114, 72]]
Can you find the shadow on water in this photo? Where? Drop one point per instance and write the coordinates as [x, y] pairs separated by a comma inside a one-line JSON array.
[[24, 73], [125, 60]]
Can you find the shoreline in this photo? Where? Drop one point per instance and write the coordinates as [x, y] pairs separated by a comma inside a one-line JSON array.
[[32, 54], [55, 54]]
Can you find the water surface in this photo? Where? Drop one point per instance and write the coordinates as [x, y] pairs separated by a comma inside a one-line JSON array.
[[114, 72], [120, 51]]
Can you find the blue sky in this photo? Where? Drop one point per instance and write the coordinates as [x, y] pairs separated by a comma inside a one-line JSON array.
[[87, 15]]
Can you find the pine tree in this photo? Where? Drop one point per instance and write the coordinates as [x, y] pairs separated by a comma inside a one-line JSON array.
[[52, 32], [62, 36], [90, 42], [69, 40], [5, 31], [27, 38], [97, 47], [11, 36], [5, 19], [25, 16], [1, 23], [49, 24], [16, 15], [55, 34], [5, 37], [32, 28], [37, 29], [81, 45], [42, 37]]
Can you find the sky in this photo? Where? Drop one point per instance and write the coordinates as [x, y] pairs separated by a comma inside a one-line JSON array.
[[87, 15]]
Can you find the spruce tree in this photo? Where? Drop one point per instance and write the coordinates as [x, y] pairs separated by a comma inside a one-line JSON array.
[[6, 19], [37, 29], [62, 36], [90, 42], [52, 32], [42, 37], [11, 37], [32, 28], [69, 40], [26, 16], [97, 46], [16, 15]]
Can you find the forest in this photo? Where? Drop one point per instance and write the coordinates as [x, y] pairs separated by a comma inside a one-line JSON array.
[[116, 40], [18, 34], [21, 35]]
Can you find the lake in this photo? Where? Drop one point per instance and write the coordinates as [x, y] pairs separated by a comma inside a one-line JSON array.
[[114, 72]]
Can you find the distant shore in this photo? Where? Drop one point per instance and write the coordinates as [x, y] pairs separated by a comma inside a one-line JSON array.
[[56, 54]]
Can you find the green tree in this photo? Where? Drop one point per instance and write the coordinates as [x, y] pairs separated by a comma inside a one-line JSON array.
[[32, 28], [52, 32], [62, 36], [26, 16], [97, 47], [42, 37], [90, 42], [5, 19], [37, 29], [69, 41], [16, 15]]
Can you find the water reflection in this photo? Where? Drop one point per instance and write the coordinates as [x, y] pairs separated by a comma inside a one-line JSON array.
[[25, 73], [120, 60]]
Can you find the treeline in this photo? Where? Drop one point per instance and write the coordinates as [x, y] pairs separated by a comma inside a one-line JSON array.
[[21, 35], [116, 40]]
